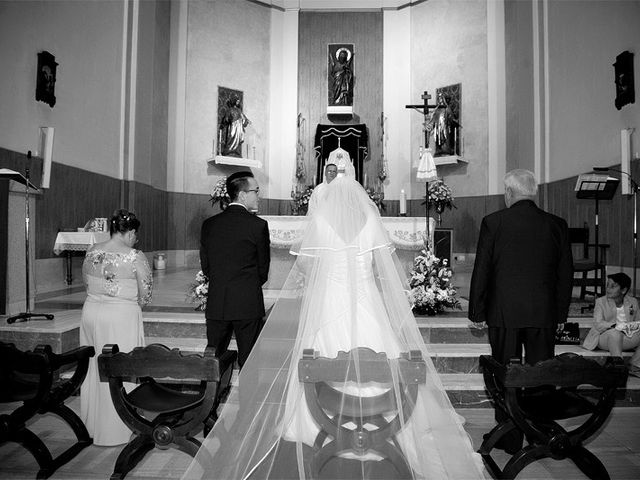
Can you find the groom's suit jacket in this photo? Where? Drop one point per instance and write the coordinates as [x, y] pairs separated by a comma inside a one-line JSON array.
[[523, 271], [235, 256]]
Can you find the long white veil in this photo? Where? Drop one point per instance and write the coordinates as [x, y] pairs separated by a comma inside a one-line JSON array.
[[344, 291]]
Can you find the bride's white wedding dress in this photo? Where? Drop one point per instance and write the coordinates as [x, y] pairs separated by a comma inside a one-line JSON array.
[[344, 292]]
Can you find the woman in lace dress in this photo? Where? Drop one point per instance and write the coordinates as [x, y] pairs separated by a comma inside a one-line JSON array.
[[118, 281]]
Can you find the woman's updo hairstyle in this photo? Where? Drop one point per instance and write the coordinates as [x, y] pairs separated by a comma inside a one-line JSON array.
[[123, 221]]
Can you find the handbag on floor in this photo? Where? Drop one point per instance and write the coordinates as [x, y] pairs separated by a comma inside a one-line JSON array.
[[569, 335]]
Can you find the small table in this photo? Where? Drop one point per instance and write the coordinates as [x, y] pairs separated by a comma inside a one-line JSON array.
[[76, 242]]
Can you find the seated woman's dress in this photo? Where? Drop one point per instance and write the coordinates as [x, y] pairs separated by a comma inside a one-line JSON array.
[[116, 285], [344, 292]]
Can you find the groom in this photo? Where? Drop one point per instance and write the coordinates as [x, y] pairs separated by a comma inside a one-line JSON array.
[[234, 255]]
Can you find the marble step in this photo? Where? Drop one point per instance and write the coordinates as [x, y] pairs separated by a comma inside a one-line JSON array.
[[447, 358], [435, 330]]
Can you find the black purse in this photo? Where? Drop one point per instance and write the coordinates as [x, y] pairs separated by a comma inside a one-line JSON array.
[[569, 335]]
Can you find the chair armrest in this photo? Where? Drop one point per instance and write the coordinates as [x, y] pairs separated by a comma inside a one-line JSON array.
[[72, 356], [600, 245]]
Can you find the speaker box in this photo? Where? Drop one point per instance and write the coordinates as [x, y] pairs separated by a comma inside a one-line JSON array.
[[443, 243]]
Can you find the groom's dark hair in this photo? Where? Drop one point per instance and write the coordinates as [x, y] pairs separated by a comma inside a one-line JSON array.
[[236, 183]]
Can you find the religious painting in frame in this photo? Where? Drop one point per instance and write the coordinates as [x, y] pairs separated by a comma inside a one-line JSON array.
[[340, 78], [625, 89], [230, 104], [46, 78]]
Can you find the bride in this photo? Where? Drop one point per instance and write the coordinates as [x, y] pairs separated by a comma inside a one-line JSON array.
[[344, 292]]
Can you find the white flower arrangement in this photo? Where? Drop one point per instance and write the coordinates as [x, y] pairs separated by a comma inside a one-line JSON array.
[[431, 289], [198, 291], [219, 194], [440, 196]]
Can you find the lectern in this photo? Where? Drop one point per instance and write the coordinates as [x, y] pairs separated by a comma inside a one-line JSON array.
[[24, 180], [596, 187]]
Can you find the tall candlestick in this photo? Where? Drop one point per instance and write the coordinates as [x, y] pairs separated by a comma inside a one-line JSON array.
[[403, 203]]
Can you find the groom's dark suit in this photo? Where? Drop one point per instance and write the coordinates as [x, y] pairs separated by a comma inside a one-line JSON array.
[[234, 255]]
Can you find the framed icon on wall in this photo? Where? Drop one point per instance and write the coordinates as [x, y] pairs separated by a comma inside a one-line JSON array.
[[625, 90], [46, 79]]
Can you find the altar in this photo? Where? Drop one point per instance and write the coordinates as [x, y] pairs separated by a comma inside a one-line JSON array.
[[406, 234]]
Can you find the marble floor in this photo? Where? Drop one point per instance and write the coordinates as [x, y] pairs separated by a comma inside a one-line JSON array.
[[617, 444]]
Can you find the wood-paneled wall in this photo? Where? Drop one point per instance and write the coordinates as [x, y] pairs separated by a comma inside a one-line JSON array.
[[316, 31], [172, 220]]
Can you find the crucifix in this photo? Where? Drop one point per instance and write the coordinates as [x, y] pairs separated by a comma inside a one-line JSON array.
[[424, 109]]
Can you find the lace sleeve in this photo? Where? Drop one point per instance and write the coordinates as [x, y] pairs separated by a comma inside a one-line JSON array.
[[145, 279]]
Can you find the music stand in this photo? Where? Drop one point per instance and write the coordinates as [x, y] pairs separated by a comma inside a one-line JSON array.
[[24, 180], [596, 187]]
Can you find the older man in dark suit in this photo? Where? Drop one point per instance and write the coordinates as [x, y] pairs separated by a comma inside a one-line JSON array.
[[522, 277], [235, 256]]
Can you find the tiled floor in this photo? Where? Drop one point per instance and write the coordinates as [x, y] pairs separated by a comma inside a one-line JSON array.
[[617, 444]]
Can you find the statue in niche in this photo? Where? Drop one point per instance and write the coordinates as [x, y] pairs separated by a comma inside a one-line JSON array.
[[231, 122], [340, 74], [444, 123]]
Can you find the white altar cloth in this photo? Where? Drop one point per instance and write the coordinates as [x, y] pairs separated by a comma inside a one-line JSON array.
[[77, 241], [406, 233]]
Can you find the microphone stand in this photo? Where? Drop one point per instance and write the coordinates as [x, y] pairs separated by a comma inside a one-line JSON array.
[[635, 188], [27, 314]]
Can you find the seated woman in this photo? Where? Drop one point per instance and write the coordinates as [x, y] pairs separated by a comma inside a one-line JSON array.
[[617, 325]]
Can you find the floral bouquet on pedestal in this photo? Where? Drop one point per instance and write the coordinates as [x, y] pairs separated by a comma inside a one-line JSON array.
[[431, 290], [300, 198], [198, 291], [440, 197], [219, 194]]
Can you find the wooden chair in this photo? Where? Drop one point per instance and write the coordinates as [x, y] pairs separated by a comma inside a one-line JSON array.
[[584, 263], [161, 416], [344, 418], [535, 412], [32, 379]]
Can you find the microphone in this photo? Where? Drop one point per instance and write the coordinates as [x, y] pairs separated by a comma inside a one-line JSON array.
[[600, 169]]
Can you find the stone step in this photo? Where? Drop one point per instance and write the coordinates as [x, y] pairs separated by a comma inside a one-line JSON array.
[[434, 330], [447, 358]]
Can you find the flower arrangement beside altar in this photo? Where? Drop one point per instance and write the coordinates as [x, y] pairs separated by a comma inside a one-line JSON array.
[[198, 291], [431, 290], [376, 197], [300, 199], [440, 197], [219, 194]]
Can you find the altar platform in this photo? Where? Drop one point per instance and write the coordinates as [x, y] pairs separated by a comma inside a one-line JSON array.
[[171, 320]]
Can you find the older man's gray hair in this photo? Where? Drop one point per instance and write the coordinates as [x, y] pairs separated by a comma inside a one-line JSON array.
[[521, 182]]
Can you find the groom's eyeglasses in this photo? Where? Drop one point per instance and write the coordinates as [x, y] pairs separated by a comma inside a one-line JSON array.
[[257, 190]]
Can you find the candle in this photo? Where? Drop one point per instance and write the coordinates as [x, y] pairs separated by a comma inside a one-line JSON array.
[[403, 203], [365, 180]]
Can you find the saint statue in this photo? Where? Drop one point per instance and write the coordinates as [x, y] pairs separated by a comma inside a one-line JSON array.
[[232, 125], [444, 127], [341, 78]]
